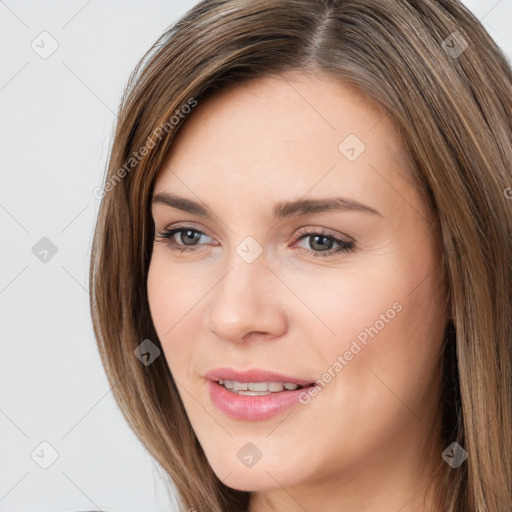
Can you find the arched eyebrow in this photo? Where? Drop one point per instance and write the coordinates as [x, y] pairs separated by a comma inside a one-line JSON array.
[[285, 209]]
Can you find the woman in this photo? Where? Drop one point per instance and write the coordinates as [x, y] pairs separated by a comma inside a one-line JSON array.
[[262, 370]]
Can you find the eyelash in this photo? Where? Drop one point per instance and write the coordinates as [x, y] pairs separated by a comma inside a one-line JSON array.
[[344, 245]]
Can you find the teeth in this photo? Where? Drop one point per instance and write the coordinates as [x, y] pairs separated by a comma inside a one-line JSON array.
[[275, 386], [257, 388]]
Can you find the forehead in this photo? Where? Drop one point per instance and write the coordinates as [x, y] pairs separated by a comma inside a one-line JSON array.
[[292, 134]]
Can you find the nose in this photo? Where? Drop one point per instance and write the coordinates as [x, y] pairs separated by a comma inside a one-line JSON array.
[[246, 303]]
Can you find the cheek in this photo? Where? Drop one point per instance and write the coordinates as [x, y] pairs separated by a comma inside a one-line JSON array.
[[386, 323], [342, 307], [159, 298], [172, 295], [170, 305], [368, 335]]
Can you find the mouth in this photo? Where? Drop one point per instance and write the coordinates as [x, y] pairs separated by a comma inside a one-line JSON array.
[[254, 394]]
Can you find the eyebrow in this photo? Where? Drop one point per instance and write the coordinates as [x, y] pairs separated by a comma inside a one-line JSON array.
[[280, 210]]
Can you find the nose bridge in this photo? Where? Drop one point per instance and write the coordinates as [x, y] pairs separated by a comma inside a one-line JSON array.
[[246, 270], [241, 301]]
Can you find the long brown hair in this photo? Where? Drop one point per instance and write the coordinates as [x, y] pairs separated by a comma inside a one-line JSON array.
[[448, 87]]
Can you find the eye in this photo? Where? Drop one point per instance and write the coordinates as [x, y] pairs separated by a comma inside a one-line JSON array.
[[189, 236], [320, 238]]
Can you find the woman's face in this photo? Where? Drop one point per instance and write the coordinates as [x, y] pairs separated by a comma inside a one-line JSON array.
[[267, 174]]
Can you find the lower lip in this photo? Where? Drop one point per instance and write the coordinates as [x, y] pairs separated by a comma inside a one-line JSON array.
[[245, 407]]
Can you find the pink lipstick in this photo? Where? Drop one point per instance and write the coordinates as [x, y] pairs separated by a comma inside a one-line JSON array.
[[253, 394]]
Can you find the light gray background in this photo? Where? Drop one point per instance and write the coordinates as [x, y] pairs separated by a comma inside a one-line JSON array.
[[57, 116]]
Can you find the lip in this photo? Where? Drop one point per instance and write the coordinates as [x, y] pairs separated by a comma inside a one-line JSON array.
[[251, 408], [254, 375]]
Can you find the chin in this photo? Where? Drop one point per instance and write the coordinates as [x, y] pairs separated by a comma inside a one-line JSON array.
[[256, 478], [250, 482]]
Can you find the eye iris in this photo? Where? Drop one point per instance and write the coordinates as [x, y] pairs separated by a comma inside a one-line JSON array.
[[320, 246], [195, 236]]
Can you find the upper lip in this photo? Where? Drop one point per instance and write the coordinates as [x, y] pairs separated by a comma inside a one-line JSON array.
[[253, 375]]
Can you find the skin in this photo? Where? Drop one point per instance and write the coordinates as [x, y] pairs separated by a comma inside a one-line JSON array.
[[361, 444]]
